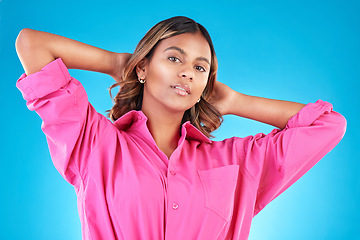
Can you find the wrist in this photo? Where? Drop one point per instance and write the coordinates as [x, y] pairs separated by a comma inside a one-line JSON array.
[[233, 98], [118, 62]]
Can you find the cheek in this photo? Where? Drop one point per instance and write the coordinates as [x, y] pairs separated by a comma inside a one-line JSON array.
[[159, 72], [203, 84]]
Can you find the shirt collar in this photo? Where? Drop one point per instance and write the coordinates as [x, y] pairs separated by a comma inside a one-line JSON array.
[[132, 117]]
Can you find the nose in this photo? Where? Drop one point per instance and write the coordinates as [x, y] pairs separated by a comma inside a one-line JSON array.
[[187, 73]]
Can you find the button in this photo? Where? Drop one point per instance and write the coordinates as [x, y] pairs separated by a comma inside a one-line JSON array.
[[173, 173], [175, 206]]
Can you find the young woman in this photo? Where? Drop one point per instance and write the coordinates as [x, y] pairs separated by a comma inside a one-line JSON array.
[[153, 173]]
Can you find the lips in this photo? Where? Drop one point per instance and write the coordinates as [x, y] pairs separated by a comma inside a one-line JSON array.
[[182, 89]]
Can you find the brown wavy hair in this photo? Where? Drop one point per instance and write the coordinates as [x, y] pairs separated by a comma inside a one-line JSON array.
[[202, 115]]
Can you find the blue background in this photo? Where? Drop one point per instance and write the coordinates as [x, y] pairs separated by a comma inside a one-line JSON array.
[[292, 50]]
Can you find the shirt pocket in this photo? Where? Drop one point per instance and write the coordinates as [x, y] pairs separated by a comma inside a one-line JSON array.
[[219, 186]]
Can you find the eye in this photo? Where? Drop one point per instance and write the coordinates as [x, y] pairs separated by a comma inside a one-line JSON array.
[[200, 68], [174, 59]]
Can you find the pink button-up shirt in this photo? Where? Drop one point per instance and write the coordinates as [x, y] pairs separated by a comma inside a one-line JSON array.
[[128, 189]]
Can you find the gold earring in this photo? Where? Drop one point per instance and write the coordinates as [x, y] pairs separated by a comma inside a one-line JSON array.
[[141, 80]]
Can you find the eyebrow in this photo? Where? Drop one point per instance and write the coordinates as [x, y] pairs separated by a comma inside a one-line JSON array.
[[183, 52]]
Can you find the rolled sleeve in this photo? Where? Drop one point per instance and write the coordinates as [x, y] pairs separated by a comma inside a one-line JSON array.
[[309, 114], [49, 79]]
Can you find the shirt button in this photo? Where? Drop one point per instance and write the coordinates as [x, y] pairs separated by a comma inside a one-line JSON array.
[[173, 173], [175, 206]]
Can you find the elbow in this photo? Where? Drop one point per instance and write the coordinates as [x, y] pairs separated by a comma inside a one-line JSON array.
[[342, 125], [338, 123], [24, 46], [32, 49], [23, 40]]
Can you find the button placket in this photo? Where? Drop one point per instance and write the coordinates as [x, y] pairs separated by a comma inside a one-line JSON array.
[[174, 205]]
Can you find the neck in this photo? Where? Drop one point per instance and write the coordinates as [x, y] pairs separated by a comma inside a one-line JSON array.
[[165, 129]]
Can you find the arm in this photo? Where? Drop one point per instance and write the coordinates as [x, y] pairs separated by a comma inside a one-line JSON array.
[[36, 49], [72, 126], [276, 160], [270, 111]]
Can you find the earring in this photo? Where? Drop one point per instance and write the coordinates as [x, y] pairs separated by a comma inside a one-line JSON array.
[[141, 80], [199, 100]]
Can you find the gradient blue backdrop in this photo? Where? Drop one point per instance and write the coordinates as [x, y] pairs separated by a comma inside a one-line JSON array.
[[293, 50]]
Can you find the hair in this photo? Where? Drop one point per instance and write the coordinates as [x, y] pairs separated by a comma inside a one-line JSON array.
[[202, 115]]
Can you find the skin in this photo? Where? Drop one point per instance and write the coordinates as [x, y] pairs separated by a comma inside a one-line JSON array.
[[162, 104], [179, 60]]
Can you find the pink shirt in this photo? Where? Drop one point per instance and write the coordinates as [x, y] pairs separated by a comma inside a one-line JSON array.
[[128, 189]]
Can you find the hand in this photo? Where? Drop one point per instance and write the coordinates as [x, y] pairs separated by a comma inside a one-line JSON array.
[[274, 112], [222, 97], [120, 61]]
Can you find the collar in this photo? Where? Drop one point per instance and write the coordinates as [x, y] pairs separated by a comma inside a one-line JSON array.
[[133, 117]]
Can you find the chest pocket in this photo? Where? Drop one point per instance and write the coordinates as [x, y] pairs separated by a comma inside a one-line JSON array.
[[219, 186]]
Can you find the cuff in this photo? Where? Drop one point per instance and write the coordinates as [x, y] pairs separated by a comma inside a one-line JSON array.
[[309, 114], [49, 79]]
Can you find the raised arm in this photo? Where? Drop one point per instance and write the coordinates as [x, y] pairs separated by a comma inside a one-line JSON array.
[[270, 111], [72, 126], [36, 49], [278, 159]]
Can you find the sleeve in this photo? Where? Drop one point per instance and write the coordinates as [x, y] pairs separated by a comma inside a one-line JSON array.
[[69, 121], [279, 159]]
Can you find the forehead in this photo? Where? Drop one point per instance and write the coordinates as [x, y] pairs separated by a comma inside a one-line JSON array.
[[193, 44]]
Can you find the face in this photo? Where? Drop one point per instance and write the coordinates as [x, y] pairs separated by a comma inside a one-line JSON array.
[[177, 73]]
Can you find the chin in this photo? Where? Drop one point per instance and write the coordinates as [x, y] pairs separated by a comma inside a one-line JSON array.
[[179, 109]]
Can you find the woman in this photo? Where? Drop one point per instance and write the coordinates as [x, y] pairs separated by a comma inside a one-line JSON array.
[[153, 173]]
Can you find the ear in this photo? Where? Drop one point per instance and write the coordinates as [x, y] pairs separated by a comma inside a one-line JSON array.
[[141, 67]]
